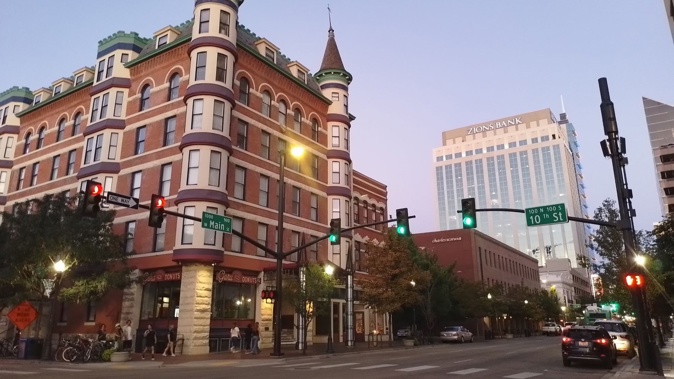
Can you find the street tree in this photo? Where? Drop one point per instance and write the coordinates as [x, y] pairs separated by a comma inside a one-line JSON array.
[[547, 304], [311, 299], [437, 297], [391, 269]]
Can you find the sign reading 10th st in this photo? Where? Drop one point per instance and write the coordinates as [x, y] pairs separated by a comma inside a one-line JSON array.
[[546, 215]]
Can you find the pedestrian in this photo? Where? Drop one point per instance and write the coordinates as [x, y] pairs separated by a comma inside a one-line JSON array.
[[235, 336], [255, 349], [102, 333], [171, 345], [249, 338], [119, 333], [150, 341], [127, 334]]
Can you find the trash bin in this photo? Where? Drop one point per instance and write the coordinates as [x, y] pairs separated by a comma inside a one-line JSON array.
[[30, 348]]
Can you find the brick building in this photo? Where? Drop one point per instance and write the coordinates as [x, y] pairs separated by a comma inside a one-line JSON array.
[[198, 113]]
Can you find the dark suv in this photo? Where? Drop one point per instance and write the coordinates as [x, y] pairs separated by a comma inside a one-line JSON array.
[[588, 343]]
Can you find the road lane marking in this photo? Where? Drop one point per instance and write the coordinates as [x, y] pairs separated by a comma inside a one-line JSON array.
[[336, 365], [18, 372], [465, 360], [296, 365], [374, 367], [523, 375], [66, 369], [467, 371], [416, 368]]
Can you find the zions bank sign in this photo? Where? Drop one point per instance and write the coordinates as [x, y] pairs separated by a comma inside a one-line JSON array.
[[494, 125]]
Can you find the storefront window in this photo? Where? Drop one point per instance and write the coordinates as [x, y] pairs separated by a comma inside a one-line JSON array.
[[233, 301], [160, 300]]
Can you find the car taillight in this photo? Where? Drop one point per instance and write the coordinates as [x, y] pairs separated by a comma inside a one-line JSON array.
[[567, 340], [602, 341]]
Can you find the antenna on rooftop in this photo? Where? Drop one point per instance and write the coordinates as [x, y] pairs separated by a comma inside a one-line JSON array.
[[330, 18]]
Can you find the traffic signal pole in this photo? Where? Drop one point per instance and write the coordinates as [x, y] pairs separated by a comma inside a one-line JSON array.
[[614, 147]]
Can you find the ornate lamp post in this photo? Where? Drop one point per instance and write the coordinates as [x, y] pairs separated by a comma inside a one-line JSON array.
[[329, 270], [350, 336], [52, 288], [414, 311]]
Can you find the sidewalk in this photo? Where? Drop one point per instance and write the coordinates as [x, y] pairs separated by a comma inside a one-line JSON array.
[[630, 369]]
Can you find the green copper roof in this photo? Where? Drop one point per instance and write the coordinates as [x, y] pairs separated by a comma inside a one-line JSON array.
[[122, 37], [18, 92]]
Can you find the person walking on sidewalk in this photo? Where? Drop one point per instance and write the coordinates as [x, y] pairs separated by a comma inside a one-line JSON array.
[[172, 338], [255, 349], [249, 338], [150, 341], [128, 336], [235, 335]]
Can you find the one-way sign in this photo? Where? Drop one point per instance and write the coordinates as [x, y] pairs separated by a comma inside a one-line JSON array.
[[123, 200]]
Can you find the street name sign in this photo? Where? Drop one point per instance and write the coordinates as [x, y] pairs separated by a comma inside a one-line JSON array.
[[123, 200], [546, 215], [216, 222]]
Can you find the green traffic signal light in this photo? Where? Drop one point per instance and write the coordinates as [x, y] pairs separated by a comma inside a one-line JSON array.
[[467, 221], [402, 222], [333, 238], [335, 231], [401, 230], [468, 211]]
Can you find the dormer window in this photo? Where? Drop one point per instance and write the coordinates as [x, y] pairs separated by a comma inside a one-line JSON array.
[[37, 100], [302, 76], [163, 40], [270, 54], [57, 90], [79, 79]]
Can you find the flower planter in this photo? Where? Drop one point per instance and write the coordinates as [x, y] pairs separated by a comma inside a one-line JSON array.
[[508, 335], [408, 342], [119, 356]]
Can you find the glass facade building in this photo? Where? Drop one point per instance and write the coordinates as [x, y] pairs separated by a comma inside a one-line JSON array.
[[517, 162]]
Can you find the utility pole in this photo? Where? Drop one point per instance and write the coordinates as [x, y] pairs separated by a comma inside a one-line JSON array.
[[615, 148]]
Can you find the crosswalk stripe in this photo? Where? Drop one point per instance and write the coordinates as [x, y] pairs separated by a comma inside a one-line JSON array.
[[416, 368], [523, 375], [373, 367], [467, 371], [336, 365], [66, 369], [296, 365], [18, 372]]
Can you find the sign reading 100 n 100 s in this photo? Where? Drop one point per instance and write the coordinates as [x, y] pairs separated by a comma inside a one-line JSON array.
[[546, 215]]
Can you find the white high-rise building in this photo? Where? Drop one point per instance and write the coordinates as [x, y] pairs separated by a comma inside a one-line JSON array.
[[519, 162]]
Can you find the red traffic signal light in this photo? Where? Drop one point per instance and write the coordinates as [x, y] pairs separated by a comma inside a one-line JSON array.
[[634, 281], [272, 295], [157, 205], [93, 194]]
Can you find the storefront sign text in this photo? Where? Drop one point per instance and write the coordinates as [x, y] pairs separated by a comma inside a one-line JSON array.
[[441, 240], [160, 276], [495, 125], [236, 277]]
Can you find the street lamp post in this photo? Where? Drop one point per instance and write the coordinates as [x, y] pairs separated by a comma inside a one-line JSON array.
[[59, 268], [329, 270], [564, 312], [296, 152], [493, 311], [414, 311], [350, 336]]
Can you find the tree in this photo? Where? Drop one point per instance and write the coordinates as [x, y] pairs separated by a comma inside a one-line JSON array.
[[42, 231], [436, 297], [391, 269], [310, 300], [547, 304]]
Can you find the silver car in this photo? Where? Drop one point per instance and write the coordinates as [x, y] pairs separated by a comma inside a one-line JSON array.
[[456, 334]]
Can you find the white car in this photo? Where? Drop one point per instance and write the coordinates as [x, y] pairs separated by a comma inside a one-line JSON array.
[[551, 329], [456, 334], [624, 341]]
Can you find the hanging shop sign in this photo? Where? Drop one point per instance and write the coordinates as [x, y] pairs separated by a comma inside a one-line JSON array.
[[236, 277]]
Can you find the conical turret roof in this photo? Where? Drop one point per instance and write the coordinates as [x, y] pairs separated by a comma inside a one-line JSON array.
[[332, 60]]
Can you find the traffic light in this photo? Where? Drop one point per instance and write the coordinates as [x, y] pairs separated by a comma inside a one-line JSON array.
[[268, 296], [468, 213], [634, 281], [157, 205], [403, 222], [93, 194], [335, 231]]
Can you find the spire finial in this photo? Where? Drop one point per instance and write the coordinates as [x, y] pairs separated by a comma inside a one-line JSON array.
[[562, 98], [330, 19]]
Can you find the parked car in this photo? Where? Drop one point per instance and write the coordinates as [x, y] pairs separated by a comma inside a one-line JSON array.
[[588, 343], [620, 333], [569, 324], [404, 332], [551, 329], [456, 334]]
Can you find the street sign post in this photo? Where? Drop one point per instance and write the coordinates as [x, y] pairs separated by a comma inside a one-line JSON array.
[[123, 200], [216, 222], [546, 215]]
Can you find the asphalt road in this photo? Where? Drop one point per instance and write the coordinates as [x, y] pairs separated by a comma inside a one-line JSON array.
[[522, 358]]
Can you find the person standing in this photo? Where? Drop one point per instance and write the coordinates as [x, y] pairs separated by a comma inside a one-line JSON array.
[[249, 338], [235, 335], [171, 345], [150, 341], [255, 349], [127, 334]]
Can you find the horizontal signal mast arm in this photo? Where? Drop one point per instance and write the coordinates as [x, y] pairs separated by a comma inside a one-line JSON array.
[[571, 218]]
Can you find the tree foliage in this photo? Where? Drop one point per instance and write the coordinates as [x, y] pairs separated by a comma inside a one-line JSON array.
[[660, 267], [437, 294], [391, 269], [41, 231], [311, 299]]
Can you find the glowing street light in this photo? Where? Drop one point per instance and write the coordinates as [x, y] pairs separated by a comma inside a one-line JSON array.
[[640, 260], [60, 266], [329, 269], [297, 151]]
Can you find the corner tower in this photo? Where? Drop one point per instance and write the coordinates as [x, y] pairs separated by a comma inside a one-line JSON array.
[[334, 81], [205, 147]]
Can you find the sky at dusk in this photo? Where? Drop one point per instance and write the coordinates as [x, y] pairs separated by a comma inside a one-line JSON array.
[[419, 68]]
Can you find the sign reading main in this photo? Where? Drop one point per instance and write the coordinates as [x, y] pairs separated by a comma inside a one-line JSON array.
[[546, 215], [216, 222], [494, 125]]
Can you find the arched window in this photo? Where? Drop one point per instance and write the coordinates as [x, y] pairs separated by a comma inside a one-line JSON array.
[[314, 130], [244, 91], [282, 113], [40, 138], [61, 130], [26, 144], [145, 98], [297, 117], [174, 87], [76, 123], [266, 104], [356, 213]]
